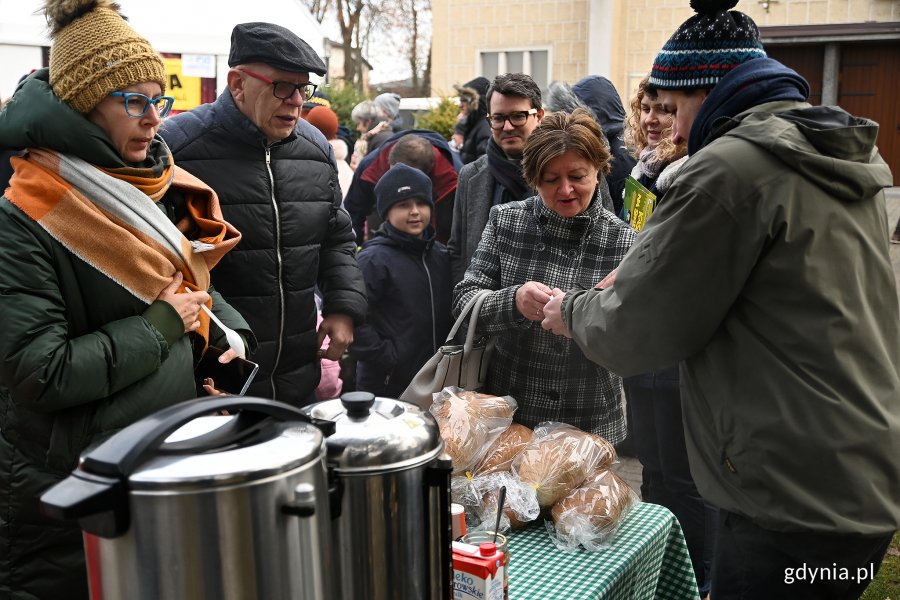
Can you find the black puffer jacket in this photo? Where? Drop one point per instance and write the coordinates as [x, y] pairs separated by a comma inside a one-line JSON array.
[[408, 282], [285, 200]]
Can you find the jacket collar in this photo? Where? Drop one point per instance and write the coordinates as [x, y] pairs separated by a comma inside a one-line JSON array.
[[391, 234], [567, 228]]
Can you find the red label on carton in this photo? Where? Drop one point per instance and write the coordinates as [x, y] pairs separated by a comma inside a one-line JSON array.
[[476, 576]]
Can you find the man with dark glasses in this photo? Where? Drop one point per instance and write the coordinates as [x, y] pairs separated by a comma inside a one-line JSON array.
[[514, 111], [276, 179]]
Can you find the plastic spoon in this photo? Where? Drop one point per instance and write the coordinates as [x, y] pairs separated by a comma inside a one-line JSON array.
[[500, 501], [233, 337]]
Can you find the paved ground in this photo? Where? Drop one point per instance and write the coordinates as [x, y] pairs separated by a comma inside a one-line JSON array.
[[630, 469]]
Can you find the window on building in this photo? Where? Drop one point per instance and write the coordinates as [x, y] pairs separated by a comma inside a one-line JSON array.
[[531, 62]]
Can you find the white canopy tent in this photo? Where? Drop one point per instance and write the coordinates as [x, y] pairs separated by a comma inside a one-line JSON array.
[[198, 27]]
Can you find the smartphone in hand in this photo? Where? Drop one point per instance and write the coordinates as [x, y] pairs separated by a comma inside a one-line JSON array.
[[232, 377]]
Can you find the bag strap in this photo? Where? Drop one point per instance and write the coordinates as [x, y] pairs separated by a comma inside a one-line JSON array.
[[478, 298], [473, 320]]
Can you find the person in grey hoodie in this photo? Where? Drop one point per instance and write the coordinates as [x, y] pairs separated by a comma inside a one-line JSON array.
[[784, 316]]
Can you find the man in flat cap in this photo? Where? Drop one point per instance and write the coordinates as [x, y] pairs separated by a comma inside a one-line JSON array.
[[277, 182]]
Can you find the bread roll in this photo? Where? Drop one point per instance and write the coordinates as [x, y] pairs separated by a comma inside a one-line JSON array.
[[606, 453], [559, 460], [469, 422], [514, 521], [500, 455], [595, 508]]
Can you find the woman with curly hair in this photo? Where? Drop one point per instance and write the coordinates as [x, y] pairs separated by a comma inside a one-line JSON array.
[[648, 135], [654, 398]]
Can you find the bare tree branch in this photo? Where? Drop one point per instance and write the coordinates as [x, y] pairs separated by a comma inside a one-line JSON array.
[[318, 8]]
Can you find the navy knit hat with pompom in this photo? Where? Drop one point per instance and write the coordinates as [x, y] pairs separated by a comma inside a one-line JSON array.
[[706, 47]]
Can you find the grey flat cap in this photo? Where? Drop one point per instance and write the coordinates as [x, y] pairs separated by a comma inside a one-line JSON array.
[[275, 46]]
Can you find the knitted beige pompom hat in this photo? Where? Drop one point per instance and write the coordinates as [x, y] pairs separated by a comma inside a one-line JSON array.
[[95, 52]]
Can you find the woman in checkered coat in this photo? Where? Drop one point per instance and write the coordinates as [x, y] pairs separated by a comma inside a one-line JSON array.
[[562, 238]]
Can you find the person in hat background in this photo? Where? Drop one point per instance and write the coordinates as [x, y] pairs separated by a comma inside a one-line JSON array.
[[407, 275], [277, 181], [320, 98], [326, 120], [387, 105], [785, 318], [421, 148], [105, 263], [376, 121], [472, 127]]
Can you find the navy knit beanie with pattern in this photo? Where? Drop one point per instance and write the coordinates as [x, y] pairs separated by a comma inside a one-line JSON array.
[[400, 183], [706, 47]]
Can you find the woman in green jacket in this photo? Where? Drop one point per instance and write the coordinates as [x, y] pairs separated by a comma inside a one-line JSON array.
[[104, 266]]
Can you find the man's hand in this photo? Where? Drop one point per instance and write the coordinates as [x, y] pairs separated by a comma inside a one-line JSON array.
[[553, 314], [340, 329], [608, 281], [531, 298]]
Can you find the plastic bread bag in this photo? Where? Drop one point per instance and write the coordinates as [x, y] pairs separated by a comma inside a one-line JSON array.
[[506, 447], [519, 508], [470, 488], [558, 460], [469, 423], [590, 516]]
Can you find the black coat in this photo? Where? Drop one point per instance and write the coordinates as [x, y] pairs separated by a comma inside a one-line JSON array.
[[285, 200], [408, 284], [476, 135]]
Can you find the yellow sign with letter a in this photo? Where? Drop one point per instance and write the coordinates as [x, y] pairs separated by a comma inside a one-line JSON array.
[[185, 89]]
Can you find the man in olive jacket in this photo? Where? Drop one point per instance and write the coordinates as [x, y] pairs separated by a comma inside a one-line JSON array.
[[277, 183], [766, 272]]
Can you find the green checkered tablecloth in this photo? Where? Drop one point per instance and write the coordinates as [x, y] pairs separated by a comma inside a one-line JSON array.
[[648, 559]]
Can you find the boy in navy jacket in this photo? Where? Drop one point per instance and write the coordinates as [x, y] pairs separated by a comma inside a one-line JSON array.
[[407, 274]]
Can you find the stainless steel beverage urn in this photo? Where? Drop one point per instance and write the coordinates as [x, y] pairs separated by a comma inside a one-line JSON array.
[[393, 530], [240, 511]]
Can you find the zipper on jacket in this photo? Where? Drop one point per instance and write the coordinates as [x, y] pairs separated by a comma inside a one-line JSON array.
[[729, 465], [431, 297], [280, 342]]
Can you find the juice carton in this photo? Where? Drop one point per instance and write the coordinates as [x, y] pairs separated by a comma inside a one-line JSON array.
[[477, 572]]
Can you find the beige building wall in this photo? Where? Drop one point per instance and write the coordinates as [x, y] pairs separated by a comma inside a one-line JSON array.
[[463, 29], [614, 38]]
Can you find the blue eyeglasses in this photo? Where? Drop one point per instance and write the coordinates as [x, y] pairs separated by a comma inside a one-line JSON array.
[[137, 105]]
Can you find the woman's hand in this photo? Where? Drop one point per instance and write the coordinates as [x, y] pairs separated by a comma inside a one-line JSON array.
[[531, 298], [208, 384], [186, 304]]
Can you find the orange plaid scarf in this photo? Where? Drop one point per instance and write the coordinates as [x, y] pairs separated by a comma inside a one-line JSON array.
[[110, 219]]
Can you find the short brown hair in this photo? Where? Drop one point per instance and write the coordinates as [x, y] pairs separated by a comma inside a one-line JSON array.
[[414, 151], [559, 133]]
